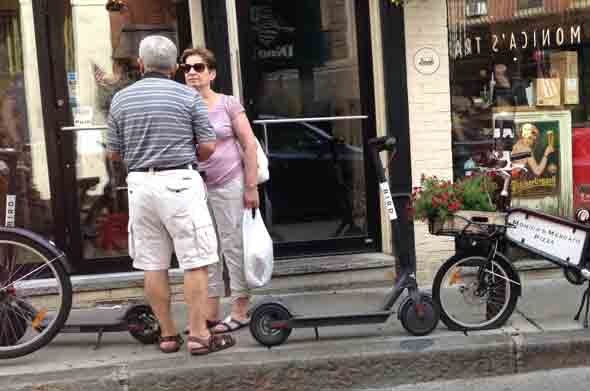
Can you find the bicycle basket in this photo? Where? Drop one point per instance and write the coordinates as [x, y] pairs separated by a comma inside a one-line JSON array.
[[466, 222]]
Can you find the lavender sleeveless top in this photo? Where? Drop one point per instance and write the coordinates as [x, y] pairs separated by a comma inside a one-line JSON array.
[[225, 163]]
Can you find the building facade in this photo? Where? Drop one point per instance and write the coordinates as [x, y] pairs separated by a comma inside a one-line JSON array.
[[318, 78], [511, 75], [312, 78]]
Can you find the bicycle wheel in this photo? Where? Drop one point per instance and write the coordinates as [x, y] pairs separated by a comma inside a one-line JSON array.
[[35, 295], [474, 294]]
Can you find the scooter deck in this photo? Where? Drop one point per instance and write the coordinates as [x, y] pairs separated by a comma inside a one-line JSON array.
[[96, 318], [338, 319]]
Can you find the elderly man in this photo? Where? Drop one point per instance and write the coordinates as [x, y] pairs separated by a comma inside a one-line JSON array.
[[153, 126]]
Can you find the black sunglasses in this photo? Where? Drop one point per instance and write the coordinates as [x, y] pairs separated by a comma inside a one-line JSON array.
[[198, 67]]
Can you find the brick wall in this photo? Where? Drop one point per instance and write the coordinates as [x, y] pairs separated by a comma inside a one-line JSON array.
[[430, 118]]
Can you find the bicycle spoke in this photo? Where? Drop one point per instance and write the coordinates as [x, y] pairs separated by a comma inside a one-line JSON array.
[[32, 273], [474, 292], [10, 327], [35, 295]]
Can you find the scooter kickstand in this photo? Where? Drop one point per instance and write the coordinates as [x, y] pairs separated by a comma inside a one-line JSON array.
[[585, 301], [98, 339], [317, 335]]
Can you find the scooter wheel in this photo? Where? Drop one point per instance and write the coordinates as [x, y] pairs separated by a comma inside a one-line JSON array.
[[143, 324], [260, 324], [419, 320]]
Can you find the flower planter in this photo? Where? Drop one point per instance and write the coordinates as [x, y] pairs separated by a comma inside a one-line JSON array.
[[471, 222]]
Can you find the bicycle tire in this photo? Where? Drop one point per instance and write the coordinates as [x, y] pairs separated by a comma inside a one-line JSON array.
[[492, 320], [48, 332]]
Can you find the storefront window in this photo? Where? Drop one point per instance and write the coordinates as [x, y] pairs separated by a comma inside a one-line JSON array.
[[521, 71], [102, 41], [305, 65], [24, 184]]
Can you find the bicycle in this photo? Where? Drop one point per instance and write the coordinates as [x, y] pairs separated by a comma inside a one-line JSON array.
[[478, 290]]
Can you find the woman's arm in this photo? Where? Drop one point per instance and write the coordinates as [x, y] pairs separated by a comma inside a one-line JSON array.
[[247, 141]]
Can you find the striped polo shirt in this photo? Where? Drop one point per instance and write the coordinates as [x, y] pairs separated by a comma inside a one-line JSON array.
[[155, 123]]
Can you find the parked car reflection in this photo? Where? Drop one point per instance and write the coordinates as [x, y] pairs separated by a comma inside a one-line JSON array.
[[310, 173]]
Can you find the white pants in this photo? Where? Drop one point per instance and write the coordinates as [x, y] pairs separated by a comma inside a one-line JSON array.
[[227, 204], [168, 212]]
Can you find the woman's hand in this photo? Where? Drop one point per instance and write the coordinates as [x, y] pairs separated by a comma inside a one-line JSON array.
[[251, 199]]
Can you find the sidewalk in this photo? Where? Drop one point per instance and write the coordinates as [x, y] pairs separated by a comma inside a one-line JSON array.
[[541, 334]]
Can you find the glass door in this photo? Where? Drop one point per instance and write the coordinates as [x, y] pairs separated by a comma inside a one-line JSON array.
[[101, 42], [306, 87], [25, 193]]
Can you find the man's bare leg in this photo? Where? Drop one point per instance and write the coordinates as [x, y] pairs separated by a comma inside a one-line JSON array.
[[196, 294], [157, 291], [213, 308]]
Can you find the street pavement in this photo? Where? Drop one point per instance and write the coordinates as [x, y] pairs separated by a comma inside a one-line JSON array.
[[571, 379], [540, 335]]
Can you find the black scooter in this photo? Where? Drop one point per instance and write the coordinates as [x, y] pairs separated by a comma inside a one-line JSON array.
[[272, 321], [135, 317]]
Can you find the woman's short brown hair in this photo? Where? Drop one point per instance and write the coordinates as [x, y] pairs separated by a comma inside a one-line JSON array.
[[206, 54]]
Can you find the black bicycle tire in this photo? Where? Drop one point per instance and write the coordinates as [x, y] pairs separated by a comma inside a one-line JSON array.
[[447, 320], [66, 285]]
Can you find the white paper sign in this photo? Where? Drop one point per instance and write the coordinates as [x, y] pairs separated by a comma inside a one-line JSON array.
[[83, 115], [558, 240]]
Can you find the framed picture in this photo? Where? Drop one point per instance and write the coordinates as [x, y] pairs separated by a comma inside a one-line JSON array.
[[547, 181]]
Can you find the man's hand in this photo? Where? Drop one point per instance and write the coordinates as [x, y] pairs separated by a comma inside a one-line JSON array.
[[205, 150]]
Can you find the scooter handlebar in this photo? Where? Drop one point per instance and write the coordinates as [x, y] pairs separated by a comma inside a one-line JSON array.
[[385, 143], [376, 145]]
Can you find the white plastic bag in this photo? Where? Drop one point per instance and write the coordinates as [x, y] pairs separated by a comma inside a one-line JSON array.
[[262, 170], [258, 253]]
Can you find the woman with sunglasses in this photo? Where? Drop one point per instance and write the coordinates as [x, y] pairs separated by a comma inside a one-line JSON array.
[[230, 175]]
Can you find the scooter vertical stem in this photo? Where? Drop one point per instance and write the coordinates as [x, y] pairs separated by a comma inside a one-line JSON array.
[[377, 145]]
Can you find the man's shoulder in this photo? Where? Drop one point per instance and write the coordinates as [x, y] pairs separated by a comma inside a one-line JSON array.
[[155, 85]]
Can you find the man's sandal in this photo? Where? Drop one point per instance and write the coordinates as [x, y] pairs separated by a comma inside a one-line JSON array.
[[172, 343], [212, 344], [229, 324]]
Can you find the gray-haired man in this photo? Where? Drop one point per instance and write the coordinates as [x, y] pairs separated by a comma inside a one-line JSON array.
[[153, 127]]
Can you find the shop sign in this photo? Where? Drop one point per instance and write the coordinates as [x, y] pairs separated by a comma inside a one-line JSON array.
[[287, 34], [558, 240], [525, 39], [426, 61]]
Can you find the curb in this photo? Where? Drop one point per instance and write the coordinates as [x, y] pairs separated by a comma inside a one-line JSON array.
[[330, 364], [374, 362]]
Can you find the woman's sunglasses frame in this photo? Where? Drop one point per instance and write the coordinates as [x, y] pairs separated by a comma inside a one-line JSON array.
[[198, 67]]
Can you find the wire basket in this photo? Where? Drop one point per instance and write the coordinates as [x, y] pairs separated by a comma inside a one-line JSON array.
[[467, 222]]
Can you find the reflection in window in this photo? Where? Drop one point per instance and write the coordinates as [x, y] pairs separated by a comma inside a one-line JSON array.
[[23, 164], [305, 65], [524, 74], [96, 71]]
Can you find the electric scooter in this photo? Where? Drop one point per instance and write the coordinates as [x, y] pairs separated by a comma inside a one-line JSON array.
[[135, 317], [271, 321]]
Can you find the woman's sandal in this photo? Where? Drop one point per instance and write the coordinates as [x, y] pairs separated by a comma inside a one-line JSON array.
[[214, 343], [229, 324], [170, 347]]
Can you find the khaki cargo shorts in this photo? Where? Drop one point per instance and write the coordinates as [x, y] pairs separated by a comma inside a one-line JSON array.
[[168, 213]]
